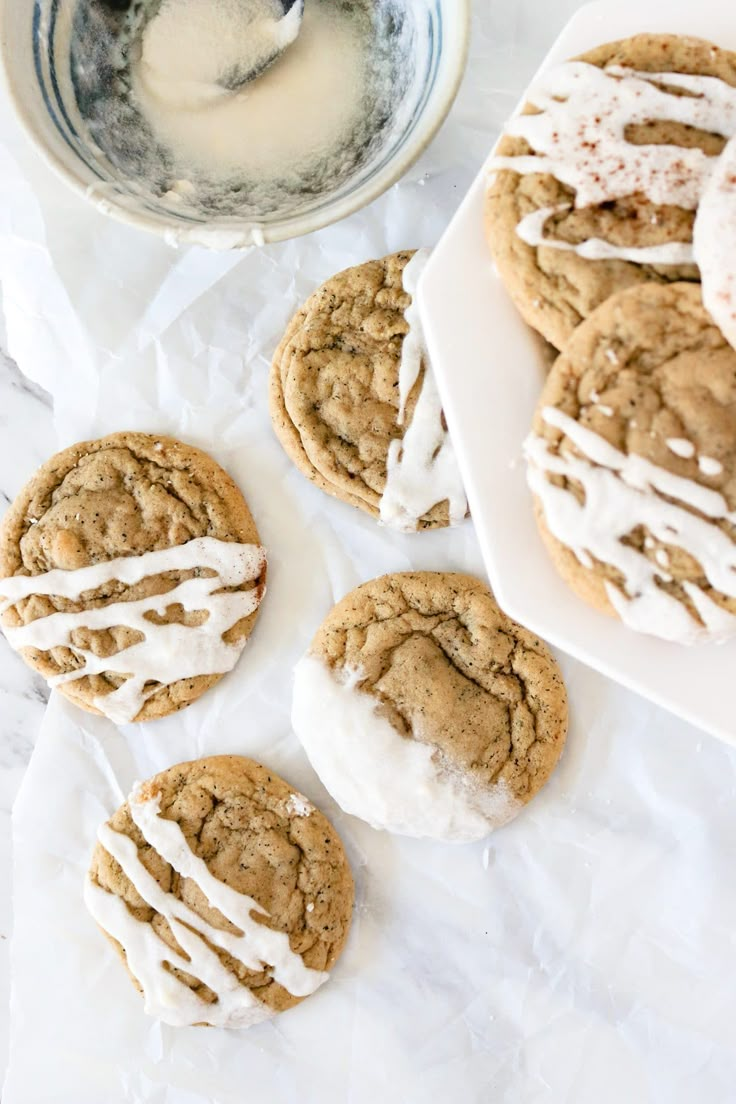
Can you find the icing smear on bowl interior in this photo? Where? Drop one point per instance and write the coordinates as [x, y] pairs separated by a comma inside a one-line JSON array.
[[161, 98], [285, 120]]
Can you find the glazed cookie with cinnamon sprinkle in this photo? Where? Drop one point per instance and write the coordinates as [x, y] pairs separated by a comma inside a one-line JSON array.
[[426, 711], [596, 184], [130, 574], [632, 464], [226, 893]]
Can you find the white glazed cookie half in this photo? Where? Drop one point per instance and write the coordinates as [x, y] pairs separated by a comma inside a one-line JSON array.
[[427, 712]]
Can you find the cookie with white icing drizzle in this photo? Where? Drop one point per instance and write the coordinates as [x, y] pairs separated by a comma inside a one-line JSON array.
[[130, 574], [426, 711], [226, 893], [595, 186], [632, 464], [354, 402]]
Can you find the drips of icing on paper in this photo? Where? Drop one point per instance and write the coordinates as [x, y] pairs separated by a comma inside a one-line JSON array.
[[169, 652], [623, 492], [579, 137], [714, 243], [421, 468], [256, 947], [376, 774]]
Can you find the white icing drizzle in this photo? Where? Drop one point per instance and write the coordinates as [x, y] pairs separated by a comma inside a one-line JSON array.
[[579, 137], [376, 774], [714, 243], [709, 466], [681, 447], [531, 230], [421, 468], [169, 652], [622, 492], [256, 946], [299, 806]]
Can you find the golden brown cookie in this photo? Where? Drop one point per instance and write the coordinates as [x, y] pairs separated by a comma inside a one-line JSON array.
[[425, 710], [632, 463], [226, 893], [354, 403], [619, 210], [131, 573]]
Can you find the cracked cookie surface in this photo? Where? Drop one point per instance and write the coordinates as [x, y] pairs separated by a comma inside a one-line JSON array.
[[334, 387], [554, 289], [445, 668], [635, 440], [260, 838], [124, 495]]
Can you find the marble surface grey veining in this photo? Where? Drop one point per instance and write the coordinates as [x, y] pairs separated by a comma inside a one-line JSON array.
[[26, 438]]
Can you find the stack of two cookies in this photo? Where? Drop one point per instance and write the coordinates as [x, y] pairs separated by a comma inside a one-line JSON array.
[[611, 215]]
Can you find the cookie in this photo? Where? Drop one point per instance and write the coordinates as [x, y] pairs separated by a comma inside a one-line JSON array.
[[426, 711], [596, 183], [354, 402], [632, 464], [226, 893], [714, 243], [130, 574]]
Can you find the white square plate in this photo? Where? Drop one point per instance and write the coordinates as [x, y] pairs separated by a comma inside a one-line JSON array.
[[490, 368]]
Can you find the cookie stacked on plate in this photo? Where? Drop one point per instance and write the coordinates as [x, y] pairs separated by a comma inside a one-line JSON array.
[[610, 213]]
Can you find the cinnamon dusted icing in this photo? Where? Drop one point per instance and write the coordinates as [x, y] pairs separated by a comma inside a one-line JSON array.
[[714, 243], [595, 186]]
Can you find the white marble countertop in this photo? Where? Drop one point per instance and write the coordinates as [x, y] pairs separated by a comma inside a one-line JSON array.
[[26, 436]]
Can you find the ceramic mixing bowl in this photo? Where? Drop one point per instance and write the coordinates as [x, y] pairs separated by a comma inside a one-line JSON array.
[[40, 39]]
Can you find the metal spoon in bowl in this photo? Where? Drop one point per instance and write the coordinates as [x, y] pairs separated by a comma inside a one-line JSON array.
[[275, 36], [272, 34]]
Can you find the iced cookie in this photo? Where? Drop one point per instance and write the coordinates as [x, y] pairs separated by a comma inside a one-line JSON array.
[[632, 463], [130, 574], [226, 893], [354, 402], [595, 185], [426, 711]]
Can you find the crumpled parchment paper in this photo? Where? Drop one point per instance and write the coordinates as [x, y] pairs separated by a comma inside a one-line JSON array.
[[584, 953]]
